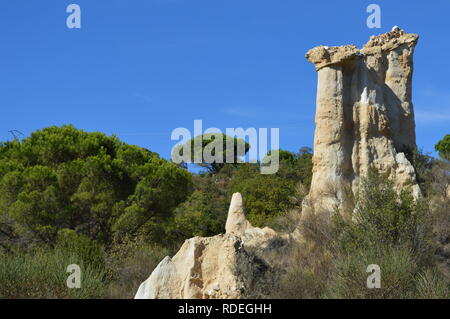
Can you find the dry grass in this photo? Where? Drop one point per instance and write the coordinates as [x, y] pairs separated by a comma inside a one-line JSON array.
[[131, 263], [333, 254]]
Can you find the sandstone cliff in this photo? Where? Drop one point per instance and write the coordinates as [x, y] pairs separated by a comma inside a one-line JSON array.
[[364, 119], [364, 116]]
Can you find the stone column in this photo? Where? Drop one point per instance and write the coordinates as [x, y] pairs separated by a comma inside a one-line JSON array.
[[332, 150], [364, 117]]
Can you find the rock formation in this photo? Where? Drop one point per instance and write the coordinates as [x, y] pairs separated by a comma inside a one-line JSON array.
[[364, 116], [231, 265], [364, 119]]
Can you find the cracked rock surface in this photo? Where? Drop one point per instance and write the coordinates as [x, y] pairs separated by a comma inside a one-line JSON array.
[[364, 116], [230, 265]]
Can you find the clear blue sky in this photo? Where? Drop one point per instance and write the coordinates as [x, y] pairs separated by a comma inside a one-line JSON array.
[[140, 68]]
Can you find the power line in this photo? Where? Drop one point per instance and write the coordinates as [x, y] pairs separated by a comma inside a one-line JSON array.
[[14, 133]]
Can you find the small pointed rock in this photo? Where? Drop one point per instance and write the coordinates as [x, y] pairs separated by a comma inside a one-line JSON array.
[[236, 221]]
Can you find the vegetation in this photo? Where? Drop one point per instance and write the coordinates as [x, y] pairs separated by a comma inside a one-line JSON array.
[[96, 185], [443, 147], [116, 210], [389, 229], [213, 150], [41, 273]]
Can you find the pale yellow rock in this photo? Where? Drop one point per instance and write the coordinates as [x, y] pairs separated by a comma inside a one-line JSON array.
[[223, 266], [364, 116], [195, 271], [389, 41], [238, 225], [323, 56], [236, 222]]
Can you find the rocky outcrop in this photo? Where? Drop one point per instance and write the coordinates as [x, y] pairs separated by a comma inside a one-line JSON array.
[[231, 265], [364, 116], [364, 119]]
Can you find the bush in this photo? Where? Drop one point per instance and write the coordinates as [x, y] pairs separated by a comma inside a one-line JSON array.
[[443, 147], [389, 229], [129, 264], [401, 276], [308, 273], [384, 217], [310, 263], [91, 253], [432, 285], [265, 196], [42, 274], [398, 269]]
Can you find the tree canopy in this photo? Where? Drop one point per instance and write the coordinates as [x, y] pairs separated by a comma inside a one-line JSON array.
[[213, 150], [443, 147], [65, 178]]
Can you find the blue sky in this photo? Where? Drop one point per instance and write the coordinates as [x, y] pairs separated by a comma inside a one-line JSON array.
[[141, 68]]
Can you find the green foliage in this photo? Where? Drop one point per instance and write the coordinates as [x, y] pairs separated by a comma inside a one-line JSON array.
[[283, 156], [423, 165], [384, 217], [402, 275], [443, 147], [117, 210], [398, 269], [389, 229], [265, 196], [88, 251], [430, 284], [217, 145], [160, 188], [204, 213], [130, 263], [197, 217], [42, 274], [61, 177], [296, 166]]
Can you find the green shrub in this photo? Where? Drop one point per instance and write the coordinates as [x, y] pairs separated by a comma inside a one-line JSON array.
[[42, 274], [398, 271], [384, 217], [432, 285], [401, 276], [310, 263], [88, 251], [307, 274], [443, 147], [131, 263], [388, 228], [265, 196]]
